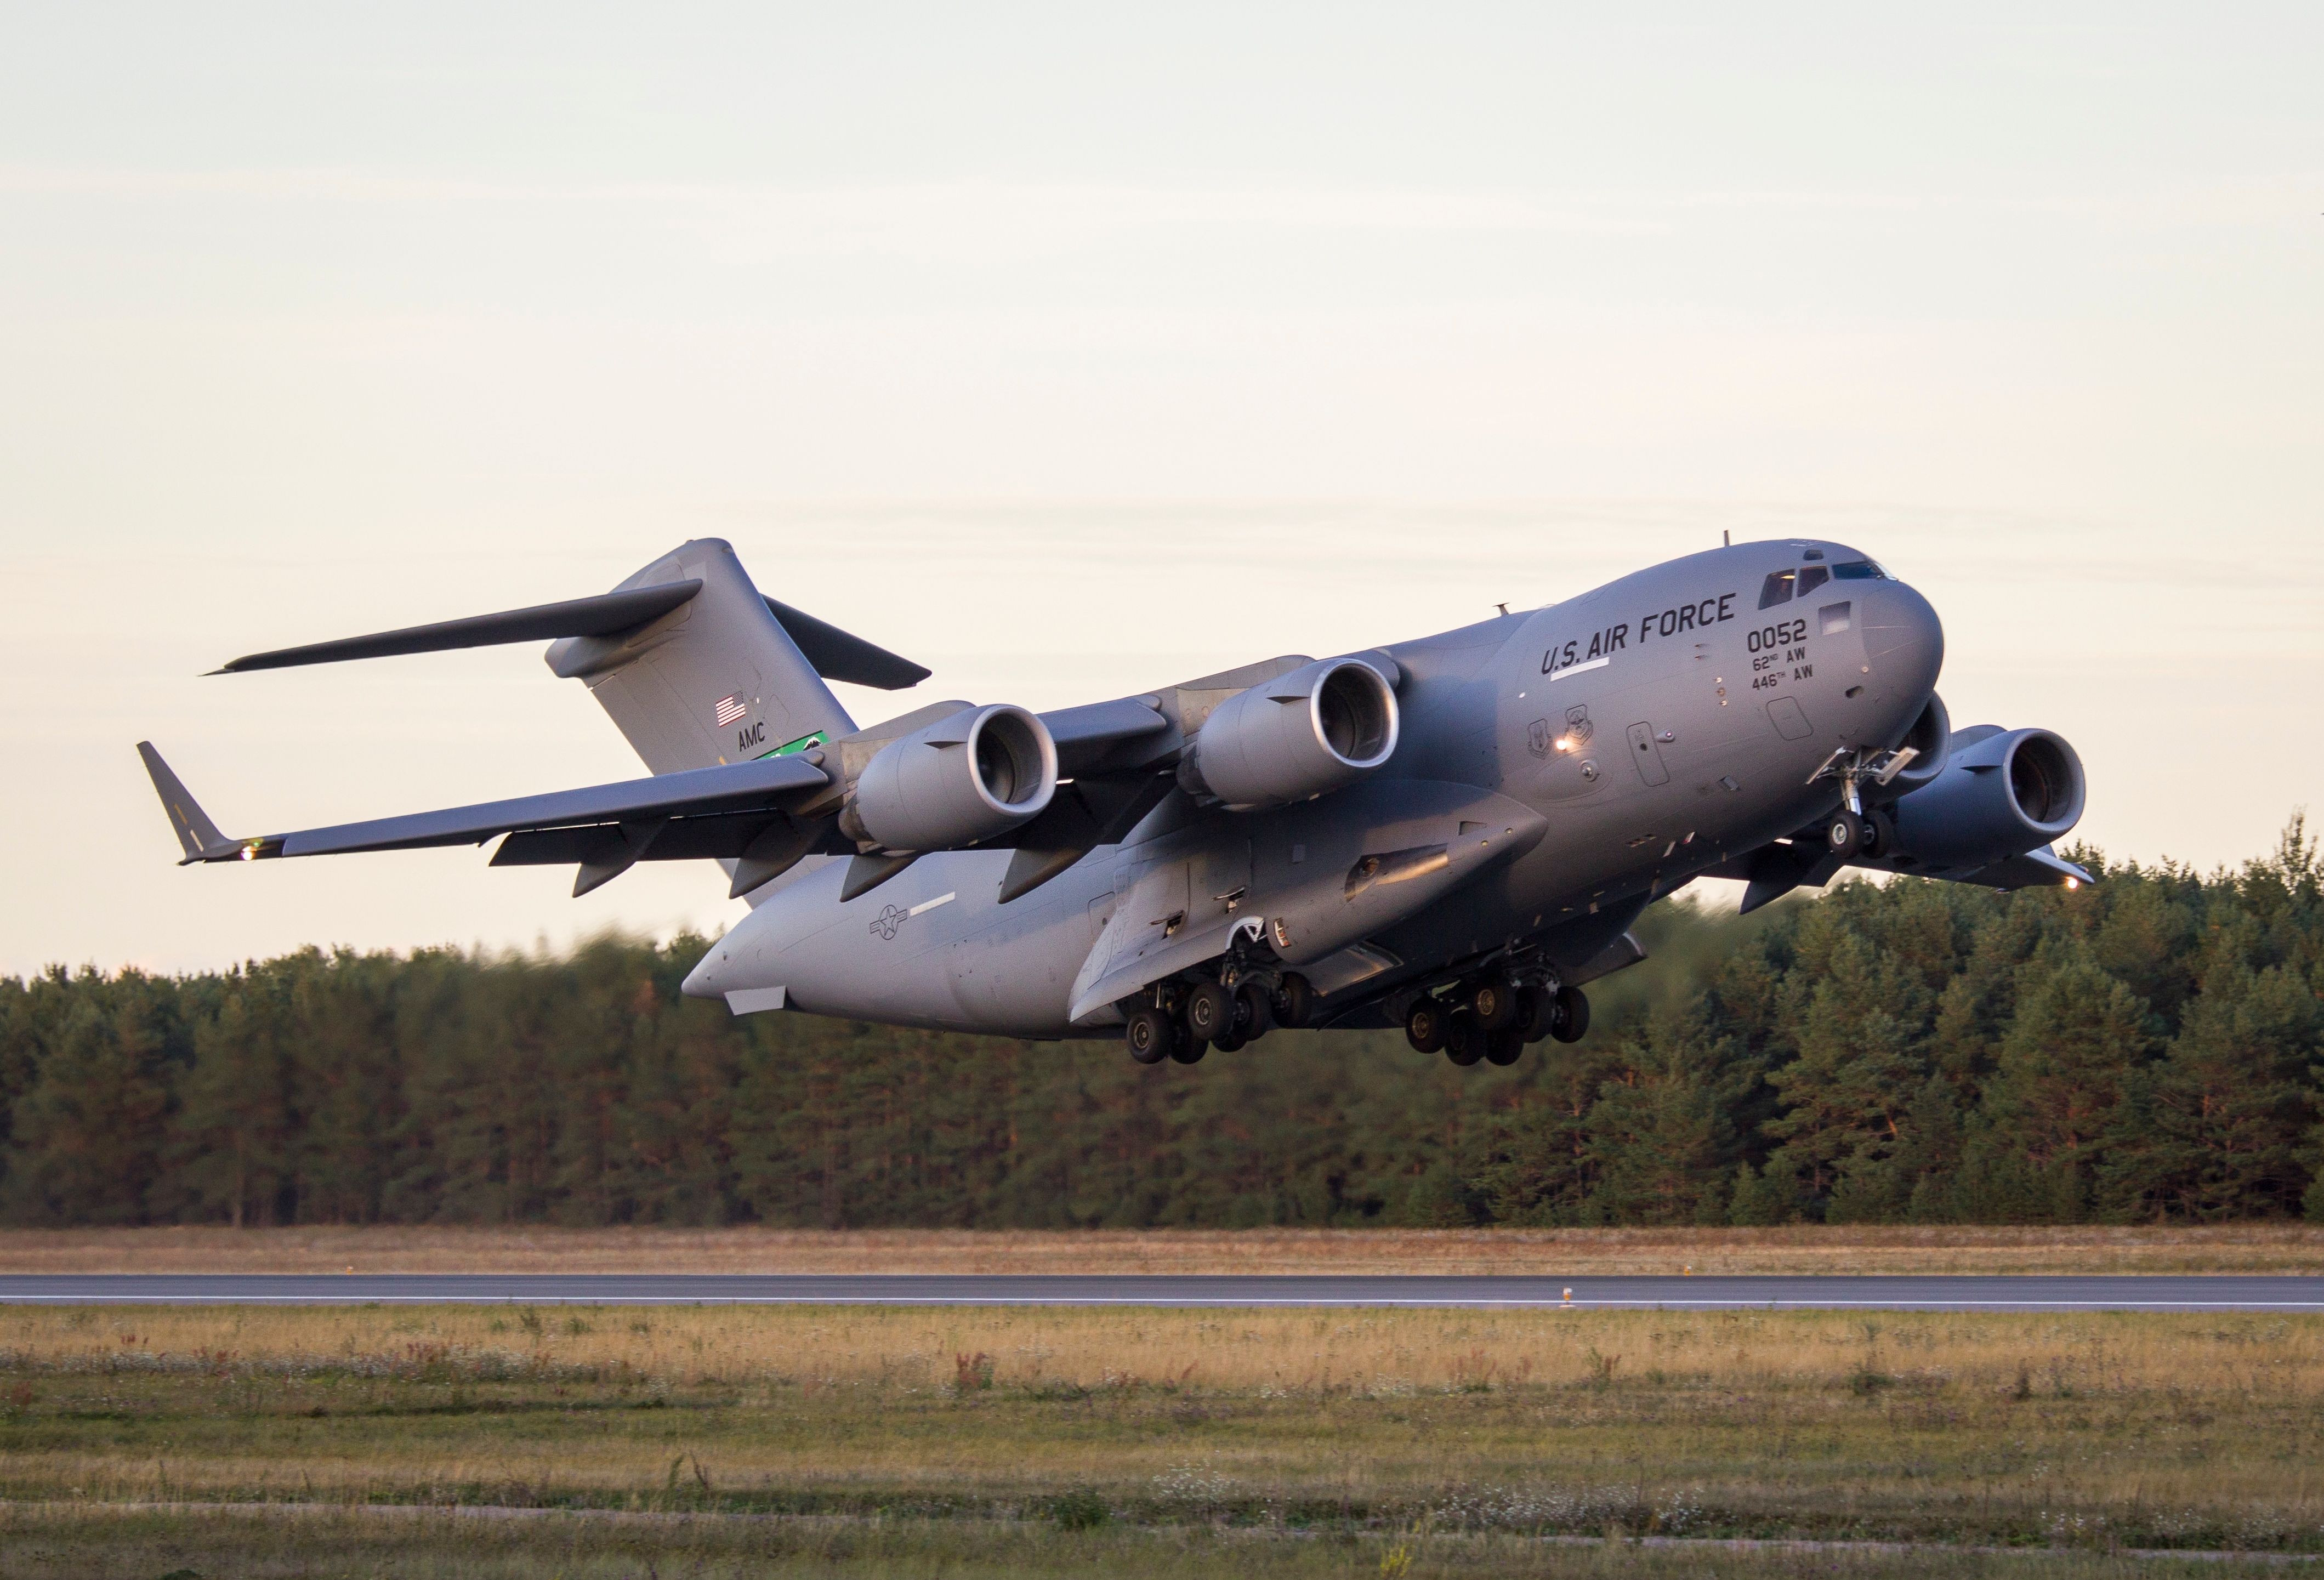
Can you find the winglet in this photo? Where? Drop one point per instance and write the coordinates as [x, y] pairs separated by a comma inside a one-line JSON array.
[[195, 831]]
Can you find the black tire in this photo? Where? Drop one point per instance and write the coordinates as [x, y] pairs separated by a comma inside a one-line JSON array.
[[1536, 1010], [1879, 833], [1464, 1043], [1424, 1025], [1149, 1035], [1573, 1017], [1209, 1012], [1494, 1005], [1186, 1050], [1293, 1000], [1254, 1012], [1843, 835], [1503, 1047]]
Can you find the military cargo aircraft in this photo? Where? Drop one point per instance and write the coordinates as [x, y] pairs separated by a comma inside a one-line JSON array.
[[1453, 835]]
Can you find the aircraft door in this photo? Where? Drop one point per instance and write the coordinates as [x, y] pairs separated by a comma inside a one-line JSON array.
[[1646, 752]]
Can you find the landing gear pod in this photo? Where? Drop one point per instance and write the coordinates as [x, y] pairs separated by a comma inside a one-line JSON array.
[[1295, 737], [969, 777]]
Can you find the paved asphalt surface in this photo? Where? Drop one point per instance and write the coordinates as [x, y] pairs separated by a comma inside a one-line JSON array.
[[1906, 1293]]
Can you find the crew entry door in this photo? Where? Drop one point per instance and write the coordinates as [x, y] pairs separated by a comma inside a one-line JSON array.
[[1646, 752]]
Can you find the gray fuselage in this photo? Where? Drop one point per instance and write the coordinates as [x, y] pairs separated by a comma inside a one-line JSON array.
[[1617, 745]]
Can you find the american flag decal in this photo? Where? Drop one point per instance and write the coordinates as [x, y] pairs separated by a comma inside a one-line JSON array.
[[729, 709]]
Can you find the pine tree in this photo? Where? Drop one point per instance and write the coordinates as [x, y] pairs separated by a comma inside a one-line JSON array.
[[2213, 1131], [1658, 1135], [2076, 1034], [86, 1137]]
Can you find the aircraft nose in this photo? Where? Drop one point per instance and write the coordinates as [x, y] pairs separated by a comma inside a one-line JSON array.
[[1904, 640]]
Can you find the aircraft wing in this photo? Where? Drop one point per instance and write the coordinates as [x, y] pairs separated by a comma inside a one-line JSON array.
[[731, 792], [1125, 735], [1780, 866]]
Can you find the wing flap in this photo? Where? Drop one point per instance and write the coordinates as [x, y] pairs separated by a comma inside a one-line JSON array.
[[764, 783]]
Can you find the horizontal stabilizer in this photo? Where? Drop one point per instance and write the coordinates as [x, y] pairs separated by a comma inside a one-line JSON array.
[[835, 654], [607, 615], [841, 655]]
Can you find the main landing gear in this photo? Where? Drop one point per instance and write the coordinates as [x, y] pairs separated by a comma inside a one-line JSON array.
[[1493, 1019], [1187, 1020]]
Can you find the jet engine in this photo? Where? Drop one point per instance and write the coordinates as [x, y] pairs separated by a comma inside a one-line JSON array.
[[1931, 738], [970, 776], [1287, 739], [1999, 794]]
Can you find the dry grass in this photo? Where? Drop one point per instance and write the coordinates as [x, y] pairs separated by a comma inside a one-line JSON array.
[[2140, 1429], [2274, 1248], [1385, 1353]]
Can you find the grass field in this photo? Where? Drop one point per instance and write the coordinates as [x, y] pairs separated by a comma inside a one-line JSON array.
[[2273, 1248], [1069, 1439], [50, 1543], [43, 1543]]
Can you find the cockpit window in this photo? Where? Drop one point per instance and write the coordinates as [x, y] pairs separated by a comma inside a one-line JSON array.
[[1776, 590], [1858, 571], [1812, 577]]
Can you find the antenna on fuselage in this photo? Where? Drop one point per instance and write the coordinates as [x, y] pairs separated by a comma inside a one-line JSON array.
[[1726, 538]]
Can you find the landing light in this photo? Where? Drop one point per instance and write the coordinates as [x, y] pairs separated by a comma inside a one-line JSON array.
[[2073, 883]]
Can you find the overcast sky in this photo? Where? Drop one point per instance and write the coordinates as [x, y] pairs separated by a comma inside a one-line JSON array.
[[1073, 351]]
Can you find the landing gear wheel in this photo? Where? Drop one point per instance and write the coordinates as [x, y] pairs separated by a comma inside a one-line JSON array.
[[1293, 1000], [1536, 1010], [1186, 1049], [1572, 1018], [1149, 1035], [1504, 1046], [1494, 1005], [1210, 1013], [1879, 833], [1254, 1012], [1424, 1025], [1464, 1043], [1845, 834]]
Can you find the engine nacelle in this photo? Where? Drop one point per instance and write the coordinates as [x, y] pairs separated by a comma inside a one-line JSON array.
[[2001, 793], [969, 777], [1931, 738], [1298, 736]]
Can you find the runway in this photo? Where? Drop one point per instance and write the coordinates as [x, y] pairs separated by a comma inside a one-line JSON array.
[[1768, 1292]]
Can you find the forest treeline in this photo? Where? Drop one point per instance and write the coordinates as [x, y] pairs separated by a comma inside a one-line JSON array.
[[2145, 1049]]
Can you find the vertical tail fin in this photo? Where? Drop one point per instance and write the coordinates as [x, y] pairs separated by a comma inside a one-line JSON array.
[[716, 679]]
